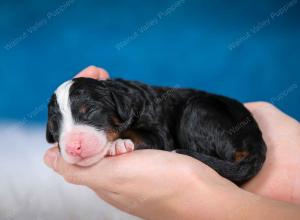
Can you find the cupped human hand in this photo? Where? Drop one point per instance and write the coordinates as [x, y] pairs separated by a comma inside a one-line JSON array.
[[280, 176], [151, 184]]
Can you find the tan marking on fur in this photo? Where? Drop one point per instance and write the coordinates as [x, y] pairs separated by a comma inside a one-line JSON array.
[[116, 120], [112, 135], [240, 155], [134, 136]]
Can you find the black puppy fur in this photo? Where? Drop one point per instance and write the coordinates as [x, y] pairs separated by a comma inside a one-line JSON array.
[[214, 129]]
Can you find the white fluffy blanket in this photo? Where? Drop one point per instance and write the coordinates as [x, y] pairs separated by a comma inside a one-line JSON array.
[[29, 190]]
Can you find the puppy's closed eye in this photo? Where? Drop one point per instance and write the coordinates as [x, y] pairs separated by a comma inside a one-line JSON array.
[[88, 112], [93, 113]]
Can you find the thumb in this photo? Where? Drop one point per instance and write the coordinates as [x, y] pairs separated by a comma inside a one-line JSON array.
[[71, 173]]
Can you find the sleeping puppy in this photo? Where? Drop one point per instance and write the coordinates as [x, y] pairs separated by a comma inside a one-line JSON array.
[[91, 119]]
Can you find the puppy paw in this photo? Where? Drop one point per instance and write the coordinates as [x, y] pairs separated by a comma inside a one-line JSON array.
[[120, 146]]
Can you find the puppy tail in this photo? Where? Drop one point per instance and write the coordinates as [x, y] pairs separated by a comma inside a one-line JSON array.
[[238, 172]]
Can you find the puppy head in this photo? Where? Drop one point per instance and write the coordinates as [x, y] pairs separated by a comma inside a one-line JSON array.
[[83, 117]]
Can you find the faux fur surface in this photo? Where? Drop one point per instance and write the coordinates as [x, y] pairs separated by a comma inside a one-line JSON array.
[[29, 190]]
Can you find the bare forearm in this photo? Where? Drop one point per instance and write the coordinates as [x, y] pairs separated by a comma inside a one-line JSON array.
[[221, 203], [263, 208]]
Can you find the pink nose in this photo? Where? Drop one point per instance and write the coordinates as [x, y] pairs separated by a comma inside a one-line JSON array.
[[74, 149]]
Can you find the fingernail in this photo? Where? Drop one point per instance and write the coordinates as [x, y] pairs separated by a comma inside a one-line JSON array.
[[50, 159]]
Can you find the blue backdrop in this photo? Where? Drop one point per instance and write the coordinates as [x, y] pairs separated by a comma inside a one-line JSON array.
[[246, 50]]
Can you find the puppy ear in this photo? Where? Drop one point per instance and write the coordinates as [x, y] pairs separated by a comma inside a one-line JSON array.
[[49, 135], [124, 107]]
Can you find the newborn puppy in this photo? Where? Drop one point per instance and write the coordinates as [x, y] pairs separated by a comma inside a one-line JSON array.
[[91, 119]]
